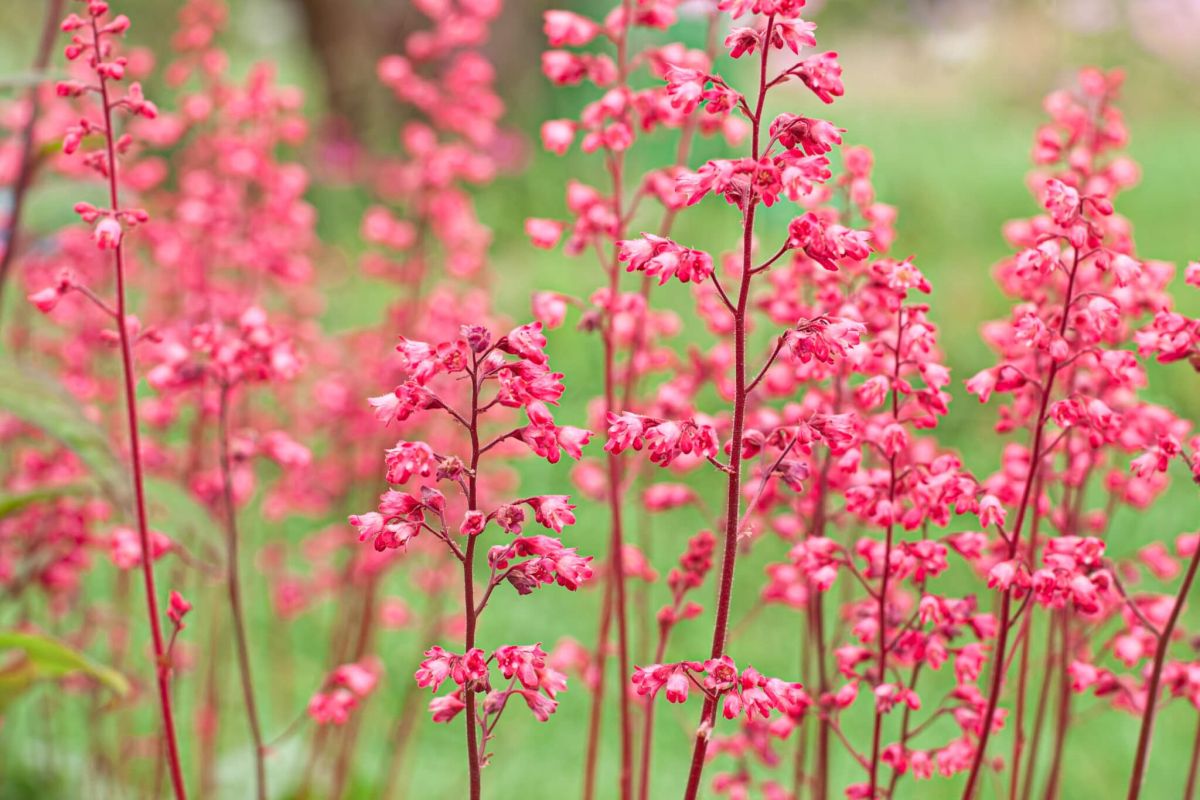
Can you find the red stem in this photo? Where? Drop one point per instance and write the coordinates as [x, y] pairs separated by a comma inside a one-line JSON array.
[[881, 656], [1160, 656], [593, 740], [1064, 706], [1023, 675], [1189, 791], [233, 586], [660, 652], [162, 667], [614, 604], [1039, 717], [1035, 462], [733, 489], [469, 587]]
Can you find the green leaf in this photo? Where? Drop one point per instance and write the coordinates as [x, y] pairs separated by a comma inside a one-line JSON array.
[[43, 658], [39, 400], [11, 503], [182, 510]]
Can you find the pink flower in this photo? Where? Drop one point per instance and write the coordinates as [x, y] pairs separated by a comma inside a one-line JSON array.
[[177, 608], [473, 523], [107, 233], [332, 708], [565, 28], [625, 430], [125, 548], [407, 459], [526, 342], [553, 511], [544, 233], [446, 707], [549, 308], [664, 259], [827, 243], [541, 706], [822, 74]]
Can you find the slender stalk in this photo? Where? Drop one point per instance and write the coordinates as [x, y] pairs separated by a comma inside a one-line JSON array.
[[881, 644], [469, 609], [1035, 462], [734, 483], [598, 661], [41, 61], [1023, 674], [162, 667], [660, 652], [1189, 791], [1039, 717], [614, 604], [1064, 706], [1160, 657], [234, 589]]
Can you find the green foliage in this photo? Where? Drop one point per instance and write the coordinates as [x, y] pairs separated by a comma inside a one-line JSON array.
[[29, 659], [39, 400]]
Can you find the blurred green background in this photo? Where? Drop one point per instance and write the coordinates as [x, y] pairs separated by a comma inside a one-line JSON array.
[[947, 94]]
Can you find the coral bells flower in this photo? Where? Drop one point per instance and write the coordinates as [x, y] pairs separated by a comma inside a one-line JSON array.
[[827, 243], [177, 609], [664, 259], [108, 233], [440, 665], [345, 688], [125, 547]]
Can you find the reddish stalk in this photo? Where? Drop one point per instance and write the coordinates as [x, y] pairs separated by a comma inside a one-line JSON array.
[[816, 625], [660, 652], [733, 489], [1160, 656], [1064, 706], [1039, 717], [598, 660], [162, 666], [1035, 462], [20, 186], [469, 609], [207, 715], [233, 587], [1023, 674], [1189, 790], [881, 645], [616, 577]]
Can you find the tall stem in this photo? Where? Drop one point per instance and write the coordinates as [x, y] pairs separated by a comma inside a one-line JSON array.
[[1160, 656], [161, 667], [1063, 719], [733, 497], [881, 643], [660, 652], [233, 586], [469, 586], [593, 741], [1035, 462], [1039, 717], [614, 604], [1189, 790]]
